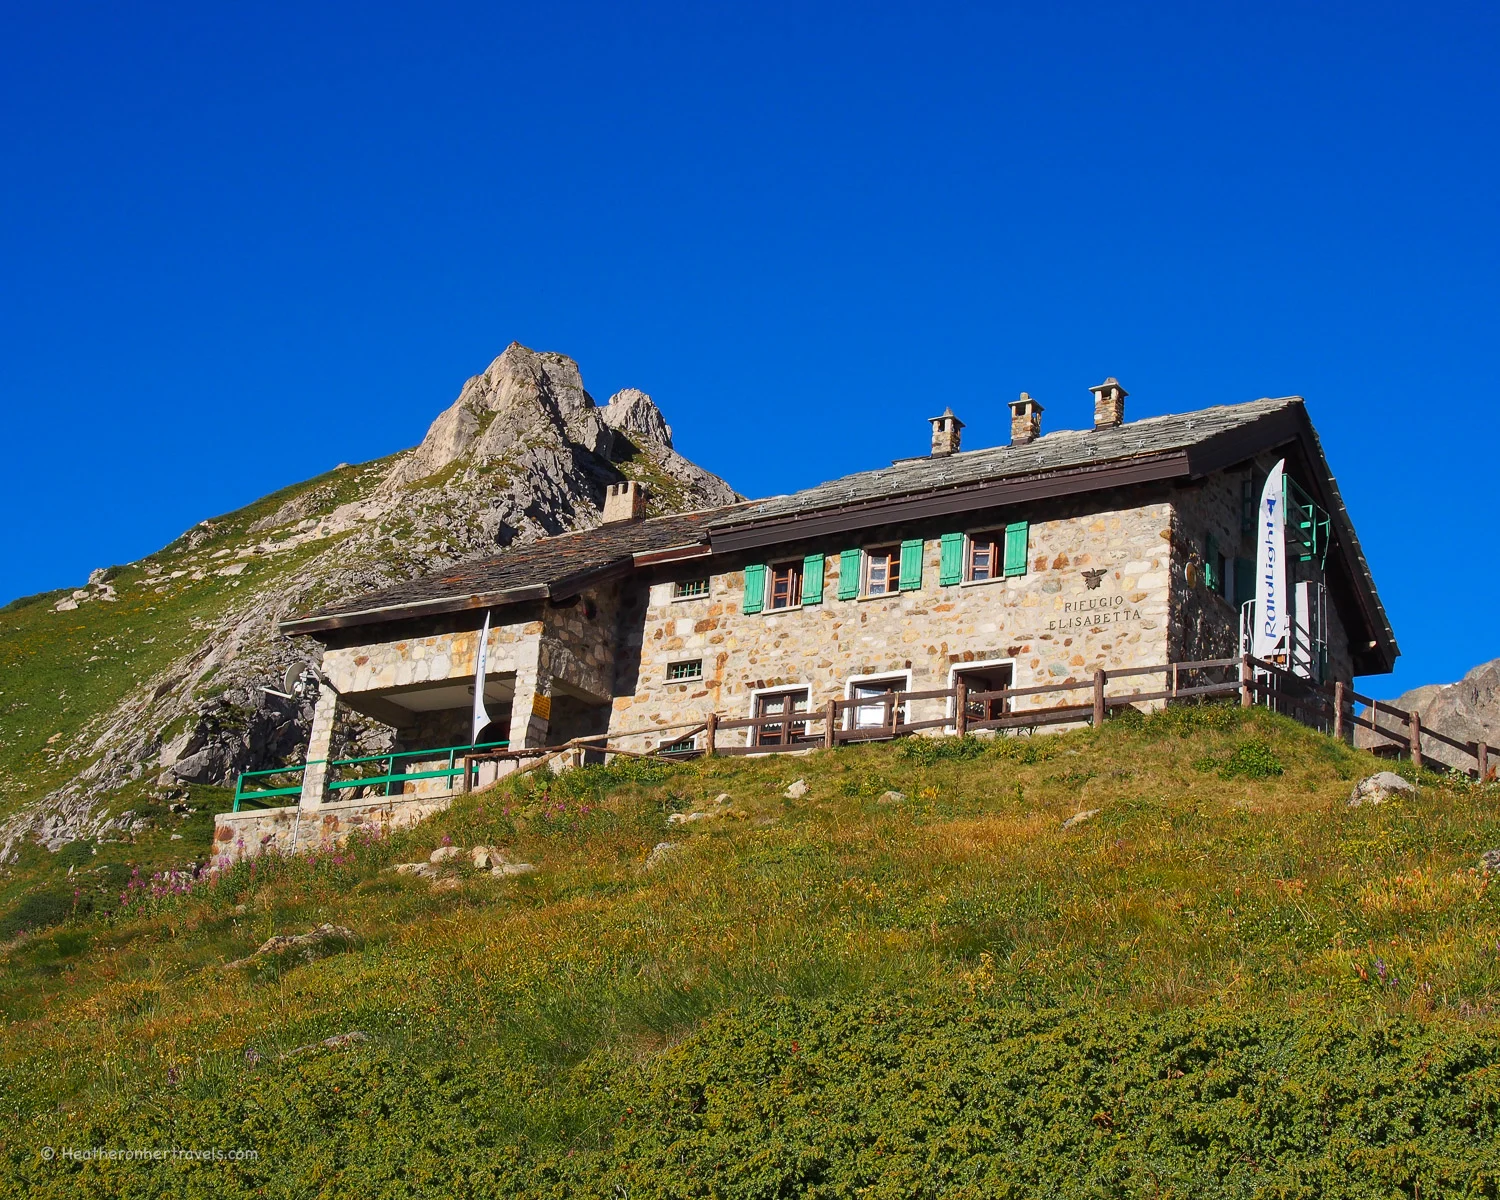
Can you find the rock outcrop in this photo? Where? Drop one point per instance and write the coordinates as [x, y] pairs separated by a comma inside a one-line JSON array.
[[524, 452], [1468, 711]]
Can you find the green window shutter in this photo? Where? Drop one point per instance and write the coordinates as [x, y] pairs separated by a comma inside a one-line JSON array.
[[755, 588], [849, 575], [1017, 546], [1244, 580], [911, 565], [951, 570], [812, 579], [1210, 564]]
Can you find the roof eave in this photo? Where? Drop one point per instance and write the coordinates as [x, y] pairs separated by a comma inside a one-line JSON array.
[[959, 499]]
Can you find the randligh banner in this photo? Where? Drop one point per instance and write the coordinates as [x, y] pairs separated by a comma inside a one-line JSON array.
[[1270, 571], [481, 661]]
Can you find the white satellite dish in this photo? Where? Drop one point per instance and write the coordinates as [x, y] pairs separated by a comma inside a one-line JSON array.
[[292, 678]]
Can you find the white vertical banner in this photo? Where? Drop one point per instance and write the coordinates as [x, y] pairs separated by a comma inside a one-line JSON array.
[[481, 660], [1270, 570]]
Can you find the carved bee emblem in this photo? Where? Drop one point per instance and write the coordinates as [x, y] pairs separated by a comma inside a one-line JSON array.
[[1093, 576]]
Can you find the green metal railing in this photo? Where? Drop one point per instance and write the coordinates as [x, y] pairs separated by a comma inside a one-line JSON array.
[[1309, 529], [390, 778]]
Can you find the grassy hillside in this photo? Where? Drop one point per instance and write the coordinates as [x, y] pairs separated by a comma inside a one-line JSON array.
[[1224, 983], [63, 670]]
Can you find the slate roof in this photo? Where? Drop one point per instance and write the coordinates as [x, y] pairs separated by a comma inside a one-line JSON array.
[[530, 571], [552, 566], [1052, 452]]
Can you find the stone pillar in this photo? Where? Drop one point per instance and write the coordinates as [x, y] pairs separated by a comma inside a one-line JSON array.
[[319, 749], [531, 710]]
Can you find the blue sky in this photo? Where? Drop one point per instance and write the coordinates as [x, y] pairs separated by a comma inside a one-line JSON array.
[[239, 246]]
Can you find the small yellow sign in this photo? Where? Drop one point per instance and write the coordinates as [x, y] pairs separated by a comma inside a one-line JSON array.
[[541, 706]]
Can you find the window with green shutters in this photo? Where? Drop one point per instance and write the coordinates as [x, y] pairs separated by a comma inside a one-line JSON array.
[[812, 579], [755, 588], [951, 564], [1213, 565], [1017, 546], [911, 565], [849, 575]]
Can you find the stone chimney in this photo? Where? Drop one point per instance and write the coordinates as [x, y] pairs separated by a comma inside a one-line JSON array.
[[1025, 420], [945, 433], [624, 502], [1109, 403]]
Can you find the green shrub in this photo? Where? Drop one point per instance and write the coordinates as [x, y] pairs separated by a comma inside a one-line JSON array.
[[857, 1096], [1253, 759], [946, 749], [39, 910], [75, 854], [1184, 720]]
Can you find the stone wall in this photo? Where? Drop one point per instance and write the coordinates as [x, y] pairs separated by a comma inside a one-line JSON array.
[[1053, 624], [1206, 625], [283, 831], [428, 658]]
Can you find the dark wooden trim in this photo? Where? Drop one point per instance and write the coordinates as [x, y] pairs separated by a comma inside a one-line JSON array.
[[964, 499], [653, 558], [1243, 442], [411, 610]]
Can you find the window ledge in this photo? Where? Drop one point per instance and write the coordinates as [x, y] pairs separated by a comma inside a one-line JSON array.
[[685, 599], [984, 582]]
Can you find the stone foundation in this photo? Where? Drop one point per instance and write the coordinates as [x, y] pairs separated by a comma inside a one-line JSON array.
[[280, 831]]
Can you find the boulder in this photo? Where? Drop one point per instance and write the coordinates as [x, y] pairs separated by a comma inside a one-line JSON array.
[[797, 790], [510, 868], [891, 797], [338, 1042], [1489, 862], [422, 870], [1378, 788], [445, 854], [315, 943], [689, 817], [660, 853]]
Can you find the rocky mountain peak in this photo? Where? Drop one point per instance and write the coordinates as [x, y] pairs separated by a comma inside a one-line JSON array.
[[1468, 710], [523, 452], [633, 413]]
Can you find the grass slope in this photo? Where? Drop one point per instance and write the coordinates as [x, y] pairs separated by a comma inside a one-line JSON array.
[[62, 673], [1225, 983]]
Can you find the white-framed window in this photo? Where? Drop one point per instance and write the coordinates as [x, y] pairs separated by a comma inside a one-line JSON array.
[[991, 675], [786, 702], [874, 689], [983, 557], [882, 571], [784, 585]]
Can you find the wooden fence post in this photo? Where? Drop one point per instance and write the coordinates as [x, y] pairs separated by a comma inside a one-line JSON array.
[[1338, 709], [830, 716], [1098, 698], [464, 758], [711, 734], [1416, 739], [961, 707], [1172, 689], [1482, 758], [1246, 699]]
